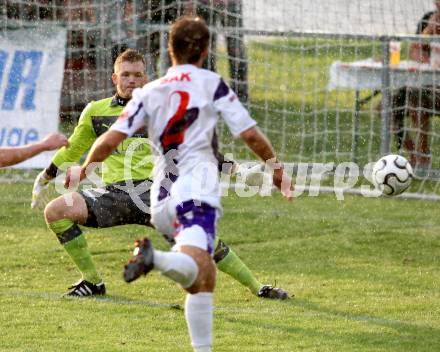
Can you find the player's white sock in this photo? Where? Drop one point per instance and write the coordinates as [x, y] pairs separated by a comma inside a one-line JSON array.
[[179, 267], [198, 314]]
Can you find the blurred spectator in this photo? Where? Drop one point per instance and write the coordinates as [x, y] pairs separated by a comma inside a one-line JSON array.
[[85, 45], [229, 15], [400, 101], [158, 14], [142, 24], [423, 102], [86, 54]]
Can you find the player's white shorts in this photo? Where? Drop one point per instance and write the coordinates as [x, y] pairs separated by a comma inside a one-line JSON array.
[[190, 223], [186, 212]]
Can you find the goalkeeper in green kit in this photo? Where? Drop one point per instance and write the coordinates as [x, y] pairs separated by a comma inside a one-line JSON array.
[[125, 198]]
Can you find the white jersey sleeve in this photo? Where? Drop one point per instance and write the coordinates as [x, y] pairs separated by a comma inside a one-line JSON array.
[[231, 110], [133, 117]]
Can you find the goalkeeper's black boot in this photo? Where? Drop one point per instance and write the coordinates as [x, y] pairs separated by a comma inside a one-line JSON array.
[[268, 291], [85, 288], [142, 261]]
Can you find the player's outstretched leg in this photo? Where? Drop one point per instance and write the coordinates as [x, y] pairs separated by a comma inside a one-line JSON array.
[[63, 220], [190, 264], [229, 263], [194, 270]]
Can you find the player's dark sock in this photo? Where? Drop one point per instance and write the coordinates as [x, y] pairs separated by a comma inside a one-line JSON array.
[[74, 242], [228, 262]]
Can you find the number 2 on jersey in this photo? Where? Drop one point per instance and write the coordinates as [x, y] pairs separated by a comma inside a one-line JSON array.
[[174, 132]]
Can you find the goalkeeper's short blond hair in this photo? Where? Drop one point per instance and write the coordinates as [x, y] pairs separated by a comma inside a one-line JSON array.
[[129, 55]]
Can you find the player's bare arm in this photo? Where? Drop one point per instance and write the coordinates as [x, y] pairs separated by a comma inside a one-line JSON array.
[[15, 155], [258, 143], [261, 146]]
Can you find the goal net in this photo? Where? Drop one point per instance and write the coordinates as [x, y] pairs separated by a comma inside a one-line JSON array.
[[329, 82]]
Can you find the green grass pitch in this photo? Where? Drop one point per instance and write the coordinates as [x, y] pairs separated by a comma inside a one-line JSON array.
[[365, 274]]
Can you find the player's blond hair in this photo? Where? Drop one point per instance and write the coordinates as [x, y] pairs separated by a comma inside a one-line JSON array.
[[189, 37], [129, 55]]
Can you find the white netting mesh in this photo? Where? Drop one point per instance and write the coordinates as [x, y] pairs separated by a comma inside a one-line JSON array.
[[277, 55], [373, 17]]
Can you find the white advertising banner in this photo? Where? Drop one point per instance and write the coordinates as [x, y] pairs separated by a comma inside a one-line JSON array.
[[31, 76]]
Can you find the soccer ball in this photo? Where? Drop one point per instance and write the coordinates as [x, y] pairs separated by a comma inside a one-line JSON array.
[[252, 175], [392, 174]]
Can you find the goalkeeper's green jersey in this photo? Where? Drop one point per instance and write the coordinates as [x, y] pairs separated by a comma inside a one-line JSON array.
[[96, 118]]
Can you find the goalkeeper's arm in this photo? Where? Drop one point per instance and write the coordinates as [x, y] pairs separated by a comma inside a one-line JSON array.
[[79, 142]]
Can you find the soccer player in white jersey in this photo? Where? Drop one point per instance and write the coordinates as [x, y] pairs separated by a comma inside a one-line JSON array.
[[180, 111]]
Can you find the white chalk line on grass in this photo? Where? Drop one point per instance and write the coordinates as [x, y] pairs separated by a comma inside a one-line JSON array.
[[255, 311], [313, 191]]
